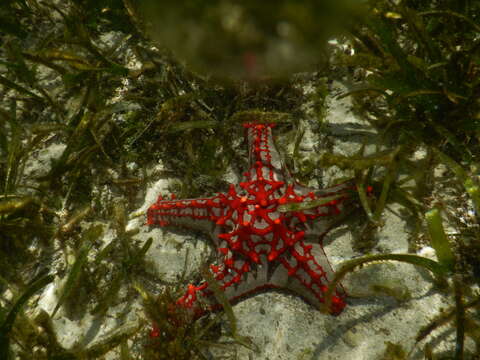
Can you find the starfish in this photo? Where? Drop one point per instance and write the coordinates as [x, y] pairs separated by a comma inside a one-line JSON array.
[[263, 237]]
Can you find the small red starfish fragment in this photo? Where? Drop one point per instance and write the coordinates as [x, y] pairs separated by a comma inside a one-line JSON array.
[[260, 245]]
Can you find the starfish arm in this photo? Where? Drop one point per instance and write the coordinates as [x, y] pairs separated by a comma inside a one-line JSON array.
[[306, 271], [339, 192], [228, 275], [343, 187], [336, 203], [262, 149], [237, 280], [198, 214]]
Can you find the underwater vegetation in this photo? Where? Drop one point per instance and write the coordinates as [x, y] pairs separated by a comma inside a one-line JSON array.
[[90, 102]]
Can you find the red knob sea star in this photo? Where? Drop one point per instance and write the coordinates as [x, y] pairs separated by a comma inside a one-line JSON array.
[[259, 245]]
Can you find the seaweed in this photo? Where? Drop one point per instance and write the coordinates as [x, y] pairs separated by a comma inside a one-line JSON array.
[[8, 320]]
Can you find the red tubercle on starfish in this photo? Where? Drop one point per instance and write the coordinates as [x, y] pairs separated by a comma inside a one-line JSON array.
[[259, 246], [155, 332], [368, 189]]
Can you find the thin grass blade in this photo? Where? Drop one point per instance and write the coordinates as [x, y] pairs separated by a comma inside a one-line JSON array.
[[435, 267], [439, 239], [73, 276]]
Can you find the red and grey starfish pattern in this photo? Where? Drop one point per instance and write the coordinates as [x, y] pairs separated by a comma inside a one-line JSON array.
[[263, 240]]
